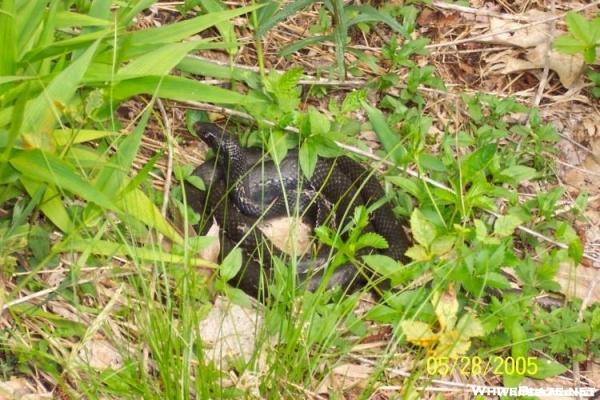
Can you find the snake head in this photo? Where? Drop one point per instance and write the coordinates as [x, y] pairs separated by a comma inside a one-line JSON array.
[[221, 142], [210, 134]]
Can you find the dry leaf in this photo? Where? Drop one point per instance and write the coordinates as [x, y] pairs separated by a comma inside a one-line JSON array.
[[579, 282], [229, 331], [100, 354], [569, 68], [525, 37]]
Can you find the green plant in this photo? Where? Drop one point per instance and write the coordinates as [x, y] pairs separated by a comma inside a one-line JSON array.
[[583, 37]]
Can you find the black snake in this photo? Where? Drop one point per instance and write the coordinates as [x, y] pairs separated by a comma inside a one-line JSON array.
[[242, 186]]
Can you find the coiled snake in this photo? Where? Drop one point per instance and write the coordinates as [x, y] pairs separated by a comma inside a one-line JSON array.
[[241, 187]]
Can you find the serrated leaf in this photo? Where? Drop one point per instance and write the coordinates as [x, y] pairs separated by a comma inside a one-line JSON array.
[[418, 253], [372, 239], [231, 265], [468, 326], [319, 124], [418, 333], [442, 245], [506, 225], [568, 44], [423, 231], [445, 306], [481, 232], [579, 27]]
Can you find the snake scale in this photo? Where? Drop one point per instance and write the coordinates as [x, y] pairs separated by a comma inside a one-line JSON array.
[[242, 186]]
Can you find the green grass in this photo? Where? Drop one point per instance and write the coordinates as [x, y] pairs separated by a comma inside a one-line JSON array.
[[87, 256]]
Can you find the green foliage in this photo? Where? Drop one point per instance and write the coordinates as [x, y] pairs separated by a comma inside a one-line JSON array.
[[583, 37]]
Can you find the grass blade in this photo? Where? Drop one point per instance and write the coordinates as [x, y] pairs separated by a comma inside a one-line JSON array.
[[224, 28], [198, 66], [182, 30], [65, 19], [112, 249], [158, 62], [63, 137], [136, 204], [289, 9], [51, 204], [8, 49], [44, 109], [43, 167], [181, 89]]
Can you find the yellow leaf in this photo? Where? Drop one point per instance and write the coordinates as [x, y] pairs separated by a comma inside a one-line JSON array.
[[446, 307], [418, 253], [418, 333]]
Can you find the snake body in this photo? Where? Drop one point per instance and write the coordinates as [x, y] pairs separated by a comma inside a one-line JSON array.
[[241, 187]]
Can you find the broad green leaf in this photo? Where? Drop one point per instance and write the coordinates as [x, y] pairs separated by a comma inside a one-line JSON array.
[[44, 167], [51, 204], [43, 110], [308, 158], [442, 245], [478, 160], [389, 140], [112, 249], [69, 19], [180, 89], [136, 204], [319, 124], [423, 231], [548, 368], [182, 30], [382, 264], [158, 62], [518, 173], [406, 184], [506, 225], [231, 264], [431, 163], [469, 326]]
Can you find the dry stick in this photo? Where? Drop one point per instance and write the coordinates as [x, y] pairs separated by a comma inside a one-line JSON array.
[[478, 11], [517, 28], [168, 130], [544, 80], [411, 172]]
